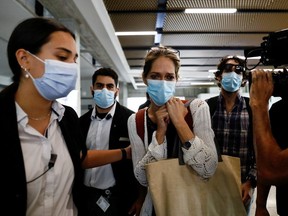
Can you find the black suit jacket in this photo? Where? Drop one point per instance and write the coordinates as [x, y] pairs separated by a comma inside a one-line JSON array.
[[14, 190], [126, 183]]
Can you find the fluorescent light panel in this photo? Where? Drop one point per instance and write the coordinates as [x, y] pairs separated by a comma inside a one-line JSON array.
[[133, 33], [210, 10], [202, 83]]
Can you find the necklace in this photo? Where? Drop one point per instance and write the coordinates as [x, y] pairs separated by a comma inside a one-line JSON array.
[[40, 118]]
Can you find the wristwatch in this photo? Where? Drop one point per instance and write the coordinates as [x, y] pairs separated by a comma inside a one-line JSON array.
[[188, 144]]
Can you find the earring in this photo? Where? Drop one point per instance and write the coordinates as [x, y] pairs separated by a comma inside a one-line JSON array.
[[26, 70]]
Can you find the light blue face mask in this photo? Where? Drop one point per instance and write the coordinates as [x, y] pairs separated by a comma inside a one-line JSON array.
[[160, 91], [58, 80], [104, 98], [231, 81]]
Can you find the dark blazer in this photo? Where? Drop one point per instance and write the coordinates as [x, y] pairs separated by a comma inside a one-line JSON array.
[[126, 182], [14, 190]]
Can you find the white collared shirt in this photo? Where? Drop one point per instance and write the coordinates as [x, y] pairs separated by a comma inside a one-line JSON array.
[[101, 177], [50, 194]]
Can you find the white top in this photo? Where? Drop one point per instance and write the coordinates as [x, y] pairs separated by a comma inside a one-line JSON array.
[[101, 177], [201, 156], [51, 194]]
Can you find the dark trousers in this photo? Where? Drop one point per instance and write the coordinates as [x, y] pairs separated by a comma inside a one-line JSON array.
[[116, 207]]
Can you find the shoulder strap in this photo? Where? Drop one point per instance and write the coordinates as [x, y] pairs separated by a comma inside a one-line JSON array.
[[212, 102], [250, 136], [188, 117], [139, 117]]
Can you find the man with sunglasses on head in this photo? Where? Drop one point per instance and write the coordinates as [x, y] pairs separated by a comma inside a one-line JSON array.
[[232, 122]]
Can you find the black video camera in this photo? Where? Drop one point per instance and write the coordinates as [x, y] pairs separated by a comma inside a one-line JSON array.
[[273, 52]]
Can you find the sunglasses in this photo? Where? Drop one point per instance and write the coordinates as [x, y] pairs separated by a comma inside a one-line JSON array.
[[231, 67], [165, 50]]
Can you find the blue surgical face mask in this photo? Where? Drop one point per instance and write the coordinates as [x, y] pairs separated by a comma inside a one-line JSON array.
[[231, 81], [58, 80], [160, 91], [104, 98]]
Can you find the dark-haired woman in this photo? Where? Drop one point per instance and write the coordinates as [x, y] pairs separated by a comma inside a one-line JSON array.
[[41, 143]]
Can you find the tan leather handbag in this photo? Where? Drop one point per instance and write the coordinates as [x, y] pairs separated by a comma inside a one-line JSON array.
[[177, 189]]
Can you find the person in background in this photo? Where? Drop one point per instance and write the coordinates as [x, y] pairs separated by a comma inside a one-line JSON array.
[[232, 122], [41, 140], [271, 141], [164, 120], [111, 189]]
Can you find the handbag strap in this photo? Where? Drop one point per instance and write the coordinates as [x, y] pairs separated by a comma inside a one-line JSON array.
[[139, 117]]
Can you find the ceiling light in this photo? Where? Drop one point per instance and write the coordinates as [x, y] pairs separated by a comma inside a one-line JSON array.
[[202, 83], [133, 33], [210, 10]]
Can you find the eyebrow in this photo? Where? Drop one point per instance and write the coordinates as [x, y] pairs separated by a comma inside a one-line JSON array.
[[100, 83]]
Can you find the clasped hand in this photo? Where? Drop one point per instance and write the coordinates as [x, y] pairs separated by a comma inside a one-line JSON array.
[[174, 110]]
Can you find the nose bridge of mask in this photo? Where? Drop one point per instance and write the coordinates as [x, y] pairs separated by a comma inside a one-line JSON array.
[[229, 74], [105, 89]]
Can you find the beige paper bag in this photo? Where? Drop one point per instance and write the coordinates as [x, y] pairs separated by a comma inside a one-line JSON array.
[[177, 190]]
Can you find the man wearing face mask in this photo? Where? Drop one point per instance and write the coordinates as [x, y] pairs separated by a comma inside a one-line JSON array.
[[232, 122], [111, 188]]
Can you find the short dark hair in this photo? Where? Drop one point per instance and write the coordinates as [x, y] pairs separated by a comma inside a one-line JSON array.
[[31, 34], [105, 72]]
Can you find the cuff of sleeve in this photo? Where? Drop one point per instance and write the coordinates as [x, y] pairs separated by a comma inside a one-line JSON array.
[[158, 151], [252, 179]]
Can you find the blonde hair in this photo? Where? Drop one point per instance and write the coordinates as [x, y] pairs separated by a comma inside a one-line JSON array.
[[156, 52]]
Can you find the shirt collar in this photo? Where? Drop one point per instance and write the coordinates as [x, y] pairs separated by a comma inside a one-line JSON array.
[[238, 99], [57, 112], [111, 112]]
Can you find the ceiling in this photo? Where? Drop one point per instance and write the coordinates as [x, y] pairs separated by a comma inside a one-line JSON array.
[[202, 39]]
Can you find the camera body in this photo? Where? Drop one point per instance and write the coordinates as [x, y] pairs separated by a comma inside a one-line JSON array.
[[274, 52], [280, 79], [274, 47]]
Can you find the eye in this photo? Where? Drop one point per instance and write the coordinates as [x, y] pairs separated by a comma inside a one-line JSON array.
[[98, 86], [62, 58], [170, 77], [154, 76], [109, 87]]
